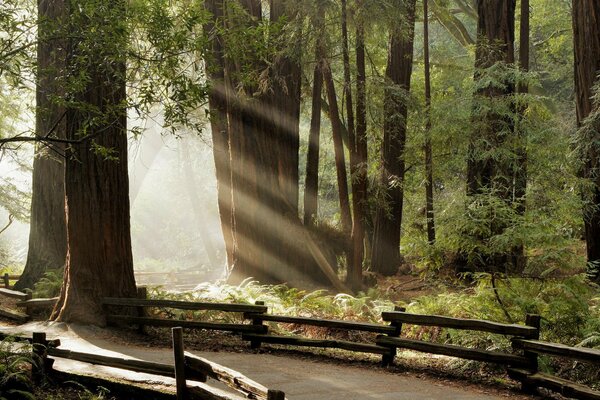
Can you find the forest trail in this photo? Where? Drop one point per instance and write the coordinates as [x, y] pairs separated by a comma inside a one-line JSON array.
[[300, 379]]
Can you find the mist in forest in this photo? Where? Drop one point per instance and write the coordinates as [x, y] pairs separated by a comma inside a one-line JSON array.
[[174, 217]]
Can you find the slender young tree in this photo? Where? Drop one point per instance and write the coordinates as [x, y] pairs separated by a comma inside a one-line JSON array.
[[99, 259], [428, 150], [388, 221], [311, 187], [338, 146], [47, 234], [359, 180], [586, 33]]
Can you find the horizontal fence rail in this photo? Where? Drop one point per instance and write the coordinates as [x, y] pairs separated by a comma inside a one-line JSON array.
[[183, 305], [460, 323], [559, 350], [327, 323]]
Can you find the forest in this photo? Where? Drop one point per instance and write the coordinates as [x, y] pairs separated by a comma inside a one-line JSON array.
[[337, 159]]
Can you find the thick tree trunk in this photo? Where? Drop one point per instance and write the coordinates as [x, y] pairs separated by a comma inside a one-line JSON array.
[[386, 241], [359, 178], [264, 136], [338, 146], [586, 29], [99, 260], [217, 103], [48, 232], [428, 150]]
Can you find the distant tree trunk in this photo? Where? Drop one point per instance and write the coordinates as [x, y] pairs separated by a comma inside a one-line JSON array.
[[99, 260], [428, 151], [311, 187], [338, 146], [386, 242], [354, 277], [359, 178], [264, 136], [217, 103], [586, 29], [495, 43], [48, 232]]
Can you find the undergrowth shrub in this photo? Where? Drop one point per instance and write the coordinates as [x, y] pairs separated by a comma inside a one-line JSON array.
[[15, 371], [49, 285]]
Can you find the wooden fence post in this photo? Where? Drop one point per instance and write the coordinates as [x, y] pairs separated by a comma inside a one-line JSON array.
[[6, 281], [535, 322], [178, 355], [256, 320], [40, 356], [142, 293], [275, 395], [388, 359]]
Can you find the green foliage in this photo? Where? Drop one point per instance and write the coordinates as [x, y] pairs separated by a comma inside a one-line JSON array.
[[49, 285], [15, 371], [563, 303], [281, 300]]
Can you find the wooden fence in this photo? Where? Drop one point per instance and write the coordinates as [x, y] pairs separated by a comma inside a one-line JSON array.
[[521, 362], [186, 367]]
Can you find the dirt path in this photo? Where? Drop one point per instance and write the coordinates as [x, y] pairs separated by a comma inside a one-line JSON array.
[[300, 379]]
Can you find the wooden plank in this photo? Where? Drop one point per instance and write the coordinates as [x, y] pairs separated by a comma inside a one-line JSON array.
[[321, 343], [14, 294], [454, 351], [562, 386], [171, 323], [559, 350], [460, 323], [328, 323], [231, 378], [13, 314], [129, 364], [183, 305], [38, 303]]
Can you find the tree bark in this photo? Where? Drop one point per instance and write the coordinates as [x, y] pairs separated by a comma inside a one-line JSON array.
[[428, 150], [99, 260], [264, 135], [48, 234], [586, 32], [217, 103], [388, 222]]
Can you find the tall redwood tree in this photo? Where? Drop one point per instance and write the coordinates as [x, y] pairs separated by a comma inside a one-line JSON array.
[[99, 259], [586, 29], [386, 242], [47, 234]]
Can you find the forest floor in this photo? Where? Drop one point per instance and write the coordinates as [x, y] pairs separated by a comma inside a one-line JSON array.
[[300, 375]]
